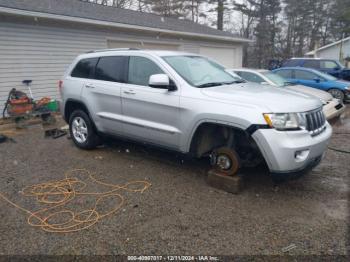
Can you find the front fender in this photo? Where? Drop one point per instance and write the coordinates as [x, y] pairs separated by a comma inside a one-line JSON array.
[[186, 143]]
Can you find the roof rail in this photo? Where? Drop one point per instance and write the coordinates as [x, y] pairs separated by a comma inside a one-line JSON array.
[[305, 57], [112, 49]]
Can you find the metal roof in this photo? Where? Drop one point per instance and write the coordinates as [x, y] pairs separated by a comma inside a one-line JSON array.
[[84, 10]]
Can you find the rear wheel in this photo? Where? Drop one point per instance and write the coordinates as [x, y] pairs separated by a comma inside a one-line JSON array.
[[225, 161], [82, 130], [336, 93]]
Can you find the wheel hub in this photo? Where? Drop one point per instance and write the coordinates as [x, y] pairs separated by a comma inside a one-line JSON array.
[[223, 162], [79, 130]]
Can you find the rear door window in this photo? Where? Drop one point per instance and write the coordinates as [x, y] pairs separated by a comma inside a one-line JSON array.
[[112, 69], [291, 63], [85, 68], [304, 75], [140, 70], [312, 64], [285, 73]]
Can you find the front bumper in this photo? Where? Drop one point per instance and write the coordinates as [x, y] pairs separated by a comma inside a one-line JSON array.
[[333, 109], [291, 151], [282, 176]]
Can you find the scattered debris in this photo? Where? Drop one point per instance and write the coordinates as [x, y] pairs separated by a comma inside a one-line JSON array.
[[65, 128], [4, 139], [99, 157], [55, 133], [288, 248], [127, 150]]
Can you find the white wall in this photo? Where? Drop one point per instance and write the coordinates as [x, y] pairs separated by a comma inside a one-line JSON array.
[[333, 51]]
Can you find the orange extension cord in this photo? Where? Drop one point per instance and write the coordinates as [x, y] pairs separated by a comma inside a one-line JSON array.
[[58, 194]]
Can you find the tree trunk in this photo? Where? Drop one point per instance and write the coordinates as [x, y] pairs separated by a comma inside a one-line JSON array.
[[220, 23]]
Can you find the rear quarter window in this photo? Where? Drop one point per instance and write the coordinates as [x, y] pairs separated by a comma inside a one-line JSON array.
[[291, 63], [84, 68]]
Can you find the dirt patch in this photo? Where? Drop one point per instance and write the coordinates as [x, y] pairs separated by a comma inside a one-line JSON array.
[[179, 213]]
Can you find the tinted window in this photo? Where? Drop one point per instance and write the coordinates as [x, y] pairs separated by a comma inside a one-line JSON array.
[[85, 68], [111, 68], [291, 63], [284, 73], [140, 70], [251, 77], [328, 65], [312, 64], [304, 75]]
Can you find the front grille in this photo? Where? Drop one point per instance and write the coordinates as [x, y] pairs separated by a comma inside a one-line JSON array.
[[316, 122]]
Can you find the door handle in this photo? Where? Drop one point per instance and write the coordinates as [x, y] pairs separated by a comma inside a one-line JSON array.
[[89, 86], [130, 92]]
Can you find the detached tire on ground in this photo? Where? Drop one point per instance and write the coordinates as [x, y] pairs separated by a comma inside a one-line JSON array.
[[82, 130], [226, 161]]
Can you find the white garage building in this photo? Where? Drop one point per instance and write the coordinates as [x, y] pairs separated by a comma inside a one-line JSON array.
[[339, 50], [40, 38]]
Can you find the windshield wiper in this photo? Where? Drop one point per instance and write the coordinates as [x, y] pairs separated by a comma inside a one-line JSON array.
[[236, 82], [220, 83], [211, 84]]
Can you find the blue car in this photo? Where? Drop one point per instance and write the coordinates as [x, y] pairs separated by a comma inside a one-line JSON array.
[[339, 89], [329, 66]]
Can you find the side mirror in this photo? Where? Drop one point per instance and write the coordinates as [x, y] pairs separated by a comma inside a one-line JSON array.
[[317, 80], [161, 81]]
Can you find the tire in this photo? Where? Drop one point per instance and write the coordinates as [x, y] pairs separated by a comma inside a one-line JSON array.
[[226, 153], [82, 131], [336, 93]]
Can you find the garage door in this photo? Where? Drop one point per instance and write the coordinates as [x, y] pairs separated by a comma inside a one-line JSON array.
[[137, 44], [225, 56]]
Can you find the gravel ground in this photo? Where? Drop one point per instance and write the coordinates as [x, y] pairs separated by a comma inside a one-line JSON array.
[[179, 214]]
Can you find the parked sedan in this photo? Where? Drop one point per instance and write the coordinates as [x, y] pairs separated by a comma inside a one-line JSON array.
[[329, 66], [339, 89], [331, 106]]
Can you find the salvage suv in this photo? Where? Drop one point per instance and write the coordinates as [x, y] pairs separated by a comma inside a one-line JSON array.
[[190, 104]]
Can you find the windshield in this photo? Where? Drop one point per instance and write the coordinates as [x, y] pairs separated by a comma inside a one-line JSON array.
[[325, 76], [200, 71], [276, 79]]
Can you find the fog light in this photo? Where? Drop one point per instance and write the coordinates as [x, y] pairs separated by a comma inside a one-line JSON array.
[[301, 155]]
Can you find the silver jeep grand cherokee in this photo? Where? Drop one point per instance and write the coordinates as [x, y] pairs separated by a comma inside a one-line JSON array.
[[190, 104]]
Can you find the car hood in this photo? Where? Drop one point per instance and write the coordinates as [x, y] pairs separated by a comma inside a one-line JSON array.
[[324, 96], [276, 100], [342, 83]]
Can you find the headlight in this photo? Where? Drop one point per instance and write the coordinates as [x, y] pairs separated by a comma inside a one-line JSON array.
[[286, 121]]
